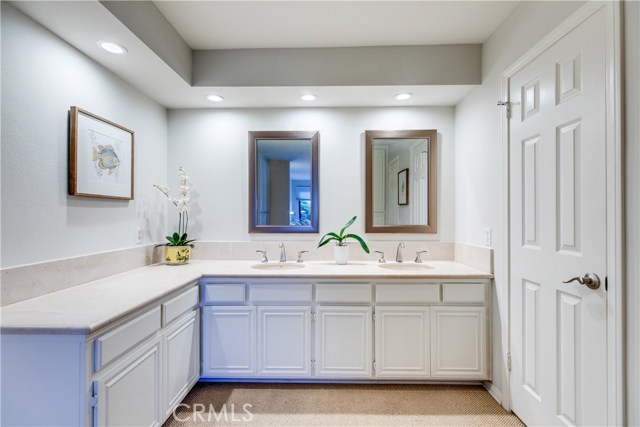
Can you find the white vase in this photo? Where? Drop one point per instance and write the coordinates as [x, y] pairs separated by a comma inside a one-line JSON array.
[[341, 254]]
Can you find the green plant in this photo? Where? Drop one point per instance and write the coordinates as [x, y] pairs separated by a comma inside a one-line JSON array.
[[341, 238], [182, 203]]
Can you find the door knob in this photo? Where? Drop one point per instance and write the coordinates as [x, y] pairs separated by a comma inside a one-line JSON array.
[[590, 280]]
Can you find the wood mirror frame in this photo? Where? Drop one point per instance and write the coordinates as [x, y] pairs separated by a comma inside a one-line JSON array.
[[432, 136], [254, 137]]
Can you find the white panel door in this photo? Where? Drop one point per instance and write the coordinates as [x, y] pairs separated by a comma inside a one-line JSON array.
[[284, 341], [181, 359], [459, 343], [393, 210], [402, 342], [343, 342], [228, 342], [419, 188], [379, 186], [558, 231], [129, 393]]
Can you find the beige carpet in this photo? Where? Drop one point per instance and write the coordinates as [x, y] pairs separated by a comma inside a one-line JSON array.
[[339, 405]]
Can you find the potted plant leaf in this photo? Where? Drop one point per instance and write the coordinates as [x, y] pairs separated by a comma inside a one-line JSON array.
[[341, 248], [178, 249]]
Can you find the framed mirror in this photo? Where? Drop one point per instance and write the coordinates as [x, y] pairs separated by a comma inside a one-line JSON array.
[[401, 181], [283, 181]]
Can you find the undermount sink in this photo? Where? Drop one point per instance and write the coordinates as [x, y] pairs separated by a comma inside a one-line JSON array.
[[277, 266], [406, 267]]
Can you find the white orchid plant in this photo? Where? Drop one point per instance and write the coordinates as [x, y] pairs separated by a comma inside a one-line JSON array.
[[182, 202]]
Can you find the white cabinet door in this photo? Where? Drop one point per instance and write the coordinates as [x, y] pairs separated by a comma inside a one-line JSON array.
[[402, 342], [181, 359], [129, 393], [228, 342], [284, 342], [459, 343], [343, 342]]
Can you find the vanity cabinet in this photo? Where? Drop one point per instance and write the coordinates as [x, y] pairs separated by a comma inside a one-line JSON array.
[[402, 330], [459, 342], [402, 342], [129, 393], [343, 342], [284, 342], [147, 377], [229, 347], [181, 345], [132, 371]]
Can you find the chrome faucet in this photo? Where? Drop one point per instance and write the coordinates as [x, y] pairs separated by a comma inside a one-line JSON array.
[[399, 252], [418, 259], [300, 253], [264, 255], [283, 252]]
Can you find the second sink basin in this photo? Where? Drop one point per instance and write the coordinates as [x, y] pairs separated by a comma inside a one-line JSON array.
[[405, 266], [274, 266]]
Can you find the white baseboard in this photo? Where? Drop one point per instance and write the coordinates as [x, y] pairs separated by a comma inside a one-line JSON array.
[[493, 391]]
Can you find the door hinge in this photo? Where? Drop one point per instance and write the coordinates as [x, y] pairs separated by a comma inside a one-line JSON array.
[[313, 315], [373, 315], [93, 397], [508, 105], [313, 364], [509, 362], [374, 365]]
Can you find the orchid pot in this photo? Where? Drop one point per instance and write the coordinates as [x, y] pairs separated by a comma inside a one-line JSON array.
[[177, 255], [341, 253]]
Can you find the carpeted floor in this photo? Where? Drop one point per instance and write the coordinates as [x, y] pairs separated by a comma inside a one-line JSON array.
[[257, 405]]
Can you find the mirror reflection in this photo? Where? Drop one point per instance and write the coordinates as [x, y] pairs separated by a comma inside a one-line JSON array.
[[284, 170], [401, 181]]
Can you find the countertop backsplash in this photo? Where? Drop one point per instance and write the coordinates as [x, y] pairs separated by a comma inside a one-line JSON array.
[[29, 281]]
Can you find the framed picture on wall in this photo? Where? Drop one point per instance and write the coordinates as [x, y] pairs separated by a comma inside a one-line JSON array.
[[403, 187], [100, 157]]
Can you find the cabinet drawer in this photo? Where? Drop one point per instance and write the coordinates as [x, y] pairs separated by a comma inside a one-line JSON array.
[[116, 342], [400, 293], [463, 293], [280, 293], [173, 308], [224, 293], [336, 293]]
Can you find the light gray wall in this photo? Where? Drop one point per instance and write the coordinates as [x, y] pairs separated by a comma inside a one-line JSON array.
[[632, 155], [212, 146], [478, 121], [42, 77], [347, 66]]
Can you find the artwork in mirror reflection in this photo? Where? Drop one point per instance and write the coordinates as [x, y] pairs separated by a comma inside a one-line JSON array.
[[401, 181], [283, 182]]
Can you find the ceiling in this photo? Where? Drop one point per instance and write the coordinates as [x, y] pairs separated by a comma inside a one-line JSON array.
[[275, 24], [291, 24]]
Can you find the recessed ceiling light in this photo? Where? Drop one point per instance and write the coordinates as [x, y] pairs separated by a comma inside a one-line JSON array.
[[403, 96], [113, 47], [308, 97], [215, 98]]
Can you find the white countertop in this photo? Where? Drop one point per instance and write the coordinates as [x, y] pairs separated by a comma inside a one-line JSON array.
[[83, 309]]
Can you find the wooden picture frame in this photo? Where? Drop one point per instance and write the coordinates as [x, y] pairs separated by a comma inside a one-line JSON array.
[[101, 157], [403, 187]]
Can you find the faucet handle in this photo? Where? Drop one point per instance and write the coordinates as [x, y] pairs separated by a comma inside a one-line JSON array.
[[300, 253], [264, 255], [381, 260], [418, 259]]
